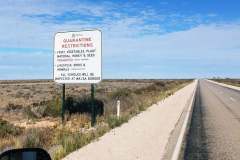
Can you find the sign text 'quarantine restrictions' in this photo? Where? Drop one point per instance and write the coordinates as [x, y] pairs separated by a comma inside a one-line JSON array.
[[77, 57]]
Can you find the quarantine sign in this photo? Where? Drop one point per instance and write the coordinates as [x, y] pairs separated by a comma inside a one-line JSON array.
[[77, 57]]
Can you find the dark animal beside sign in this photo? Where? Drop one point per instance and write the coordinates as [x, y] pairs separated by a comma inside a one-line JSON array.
[[84, 106]]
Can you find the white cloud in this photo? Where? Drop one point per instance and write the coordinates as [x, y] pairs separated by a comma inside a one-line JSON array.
[[31, 23], [206, 50], [127, 39], [204, 39]]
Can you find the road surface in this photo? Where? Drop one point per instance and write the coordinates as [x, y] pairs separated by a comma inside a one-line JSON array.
[[215, 128]]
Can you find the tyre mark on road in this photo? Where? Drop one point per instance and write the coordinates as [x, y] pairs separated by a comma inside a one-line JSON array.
[[235, 115], [196, 148]]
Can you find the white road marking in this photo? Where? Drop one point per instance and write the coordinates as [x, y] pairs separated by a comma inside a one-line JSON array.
[[232, 99]]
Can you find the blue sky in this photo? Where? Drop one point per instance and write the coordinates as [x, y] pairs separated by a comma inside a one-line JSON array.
[[141, 39]]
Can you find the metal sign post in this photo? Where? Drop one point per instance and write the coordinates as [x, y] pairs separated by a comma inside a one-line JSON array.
[[63, 102], [93, 119]]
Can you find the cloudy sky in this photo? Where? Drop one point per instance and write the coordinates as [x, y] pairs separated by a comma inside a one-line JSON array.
[[141, 39]]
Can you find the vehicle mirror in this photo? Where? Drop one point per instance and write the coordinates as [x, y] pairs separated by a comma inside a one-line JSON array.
[[25, 154]]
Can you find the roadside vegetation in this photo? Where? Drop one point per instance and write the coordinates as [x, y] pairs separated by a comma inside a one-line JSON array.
[[233, 82], [76, 131], [8, 132]]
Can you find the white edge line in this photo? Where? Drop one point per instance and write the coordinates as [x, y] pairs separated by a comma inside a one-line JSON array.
[[225, 85], [177, 149]]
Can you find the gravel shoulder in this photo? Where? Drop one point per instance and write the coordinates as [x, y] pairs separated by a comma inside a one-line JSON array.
[[144, 136]]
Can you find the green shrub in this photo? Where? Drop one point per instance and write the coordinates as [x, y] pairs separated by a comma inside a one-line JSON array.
[[101, 130], [28, 112], [141, 108], [44, 108], [32, 139], [12, 106], [61, 152], [71, 141], [7, 129], [160, 84], [121, 93], [54, 107], [114, 121]]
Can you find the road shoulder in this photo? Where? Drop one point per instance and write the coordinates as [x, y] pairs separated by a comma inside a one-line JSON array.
[[144, 136]]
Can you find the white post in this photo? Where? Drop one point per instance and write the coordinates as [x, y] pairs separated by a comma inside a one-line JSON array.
[[118, 108]]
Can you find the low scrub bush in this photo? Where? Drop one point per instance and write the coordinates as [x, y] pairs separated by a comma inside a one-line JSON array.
[[28, 112], [54, 107], [38, 137], [44, 108], [70, 141], [6, 143], [59, 153], [121, 93], [114, 121], [7, 129], [13, 107]]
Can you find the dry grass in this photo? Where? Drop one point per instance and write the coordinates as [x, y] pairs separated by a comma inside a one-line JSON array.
[[135, 96], [8, 134], [7, 129]]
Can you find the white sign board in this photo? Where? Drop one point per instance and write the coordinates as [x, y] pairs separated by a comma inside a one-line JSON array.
[[77, 57]]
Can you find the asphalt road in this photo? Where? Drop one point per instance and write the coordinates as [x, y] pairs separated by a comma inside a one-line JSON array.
[[215, 126]]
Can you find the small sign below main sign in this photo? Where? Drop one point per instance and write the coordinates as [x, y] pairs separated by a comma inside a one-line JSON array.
[[77, 57]]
